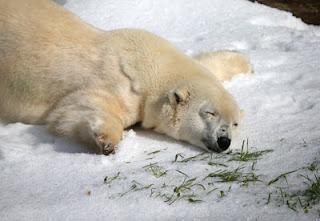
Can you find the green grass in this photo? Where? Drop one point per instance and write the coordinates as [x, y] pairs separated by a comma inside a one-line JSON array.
[[313, 190], [157, 171], [217, 164], [234, 176], [269, 198], [284, 175], [182, 173], [157, 151], [246, 155], [298, 197], [186, 160], [212, 190], [171, 183], [184, 190], [106, 181], [136, 186]]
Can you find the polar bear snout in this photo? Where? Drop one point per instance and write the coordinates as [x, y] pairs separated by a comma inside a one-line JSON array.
[[224, 143]]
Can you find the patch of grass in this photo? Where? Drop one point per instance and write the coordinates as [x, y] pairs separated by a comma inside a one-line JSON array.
[[269, 198], [248, 156], [150, 158], [106, 181], [313, 190], [284, 175], [225, 176], [297, 199], [234, 176], [157, 151], [182, 173], [136, 186], [291, 206], [193, 158], [253, 164], [217, 164], [176, 157], [212, 190], [157, 171], [314, 166], [194, 201], [184, 191], [234, 167]]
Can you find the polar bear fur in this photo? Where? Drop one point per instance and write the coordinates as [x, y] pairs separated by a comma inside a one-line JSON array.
[[225, 64], [89, 85]]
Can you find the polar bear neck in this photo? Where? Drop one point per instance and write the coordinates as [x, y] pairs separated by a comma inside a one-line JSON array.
[[150, 62]]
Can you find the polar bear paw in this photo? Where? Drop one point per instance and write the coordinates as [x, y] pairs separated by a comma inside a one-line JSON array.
[[106, 133], [105, 143]]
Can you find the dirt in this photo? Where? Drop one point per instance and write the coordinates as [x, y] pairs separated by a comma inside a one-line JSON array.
[[307, 10]]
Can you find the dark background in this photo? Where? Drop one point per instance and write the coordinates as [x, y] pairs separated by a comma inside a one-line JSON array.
[[307, 10]]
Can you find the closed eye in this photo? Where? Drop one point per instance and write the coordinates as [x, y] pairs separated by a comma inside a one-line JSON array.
[[211, 113]]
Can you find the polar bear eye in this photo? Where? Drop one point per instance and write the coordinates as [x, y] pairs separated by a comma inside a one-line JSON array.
[[235, 124], [211, 113]]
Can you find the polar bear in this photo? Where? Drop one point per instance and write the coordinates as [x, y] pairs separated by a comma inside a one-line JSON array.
[[89, 85]]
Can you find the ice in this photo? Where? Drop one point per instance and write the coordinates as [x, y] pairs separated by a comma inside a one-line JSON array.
[[48, 178]]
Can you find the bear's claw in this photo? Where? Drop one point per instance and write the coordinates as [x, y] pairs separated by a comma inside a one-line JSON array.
[[107, 149], [104, 144]]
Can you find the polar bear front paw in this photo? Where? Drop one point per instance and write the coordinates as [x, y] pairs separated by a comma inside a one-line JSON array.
[[105, 143], [106, 132]]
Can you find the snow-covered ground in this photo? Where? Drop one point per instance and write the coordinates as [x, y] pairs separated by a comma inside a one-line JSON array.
[[47, 178]]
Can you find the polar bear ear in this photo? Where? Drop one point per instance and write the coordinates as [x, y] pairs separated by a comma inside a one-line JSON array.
[[178, 96], [242, 114]]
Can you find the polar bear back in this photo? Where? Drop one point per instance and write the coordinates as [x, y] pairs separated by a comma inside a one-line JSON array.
[[225, 64]]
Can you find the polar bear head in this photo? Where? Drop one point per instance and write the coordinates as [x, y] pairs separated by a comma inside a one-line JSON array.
[[181, 98], [200, 112]]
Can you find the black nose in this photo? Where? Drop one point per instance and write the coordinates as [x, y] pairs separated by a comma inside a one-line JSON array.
[[224, 143]]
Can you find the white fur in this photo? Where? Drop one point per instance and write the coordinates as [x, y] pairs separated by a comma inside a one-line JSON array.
[[225, 64]]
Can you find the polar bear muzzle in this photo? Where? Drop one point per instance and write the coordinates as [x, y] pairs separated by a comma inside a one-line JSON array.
[[224, 143]]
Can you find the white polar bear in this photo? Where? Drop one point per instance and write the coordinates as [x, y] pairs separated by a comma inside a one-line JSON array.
[[89, 84]]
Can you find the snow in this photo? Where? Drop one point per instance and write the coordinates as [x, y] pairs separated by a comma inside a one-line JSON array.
[[48, 178]]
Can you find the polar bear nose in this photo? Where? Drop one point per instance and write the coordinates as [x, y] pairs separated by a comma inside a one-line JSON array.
[[224, 143]]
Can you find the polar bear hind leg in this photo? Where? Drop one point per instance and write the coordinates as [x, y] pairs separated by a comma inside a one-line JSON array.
[[225, 64]]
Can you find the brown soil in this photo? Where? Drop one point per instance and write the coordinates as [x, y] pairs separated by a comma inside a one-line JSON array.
[[307, 10]]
